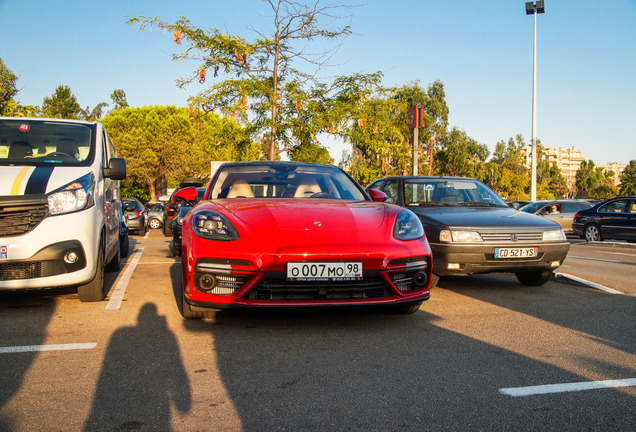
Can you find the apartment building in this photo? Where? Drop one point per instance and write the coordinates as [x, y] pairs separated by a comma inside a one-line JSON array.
[[568, 160], [616, 168]]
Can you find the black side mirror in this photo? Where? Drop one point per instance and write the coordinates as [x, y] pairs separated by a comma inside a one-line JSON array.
[[116, 169]]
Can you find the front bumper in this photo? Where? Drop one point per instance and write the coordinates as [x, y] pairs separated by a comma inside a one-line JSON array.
[[464, 259]]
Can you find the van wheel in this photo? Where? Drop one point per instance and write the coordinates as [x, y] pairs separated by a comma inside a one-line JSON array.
[[94, 290]]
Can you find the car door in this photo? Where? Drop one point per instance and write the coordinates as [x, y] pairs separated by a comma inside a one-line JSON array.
[[613, 218], [390, 188], [558, 217], [630, 222]]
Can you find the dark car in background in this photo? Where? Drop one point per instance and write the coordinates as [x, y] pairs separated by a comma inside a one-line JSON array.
[[124, 243], [177, 229], [136, 214], [613, 219], [560, 211], [472, 230], [156, 214]]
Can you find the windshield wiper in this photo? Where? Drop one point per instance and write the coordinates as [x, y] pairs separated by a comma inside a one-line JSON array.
[[481, 204], [431, 204]]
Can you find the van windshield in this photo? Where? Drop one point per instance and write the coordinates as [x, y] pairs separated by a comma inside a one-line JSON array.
[[45, 142]]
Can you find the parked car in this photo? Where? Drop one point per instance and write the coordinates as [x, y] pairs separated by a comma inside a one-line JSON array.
[[171, 211], [472, 230], [176, 229], [124, 242], [59, 207], [156, 214], [136, 214], [612, 219], [560, 211], [291, 234]]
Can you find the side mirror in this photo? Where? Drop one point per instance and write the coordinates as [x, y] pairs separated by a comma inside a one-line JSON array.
[[377, 195], [116, 169], [188, 194]]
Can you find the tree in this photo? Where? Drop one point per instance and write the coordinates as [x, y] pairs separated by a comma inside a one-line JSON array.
[[310, 152], [61, 104], [261, 75], [506, 172], [587, 178], [8, 88], [94, 114], [118, 97], [163, 144], [628, 180], [460, 155]]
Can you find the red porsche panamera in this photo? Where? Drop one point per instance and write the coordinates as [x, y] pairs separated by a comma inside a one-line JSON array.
[[280, 234]]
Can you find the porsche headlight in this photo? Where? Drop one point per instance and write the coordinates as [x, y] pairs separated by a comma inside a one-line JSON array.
[[407, 226], [75, 196], [460, 236], [212, 225], [554, 235]]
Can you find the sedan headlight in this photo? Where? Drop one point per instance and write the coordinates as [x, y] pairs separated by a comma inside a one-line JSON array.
[[554, 235], [212, 225], [460, 236], [73, 197], [407, 226]]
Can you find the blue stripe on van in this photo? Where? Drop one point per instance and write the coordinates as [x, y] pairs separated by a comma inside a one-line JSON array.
[[38, 181]]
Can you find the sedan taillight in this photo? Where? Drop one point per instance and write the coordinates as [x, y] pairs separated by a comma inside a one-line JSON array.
[[138, 214]]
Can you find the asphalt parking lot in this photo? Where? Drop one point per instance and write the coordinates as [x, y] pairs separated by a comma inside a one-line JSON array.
[[484, 353]]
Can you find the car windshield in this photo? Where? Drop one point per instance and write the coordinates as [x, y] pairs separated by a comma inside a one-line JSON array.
[[449, 192], [284, 180], [533, 207], [44, 143]]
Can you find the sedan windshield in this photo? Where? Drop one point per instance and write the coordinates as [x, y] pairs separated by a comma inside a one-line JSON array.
[[449, 192], [284, 180]]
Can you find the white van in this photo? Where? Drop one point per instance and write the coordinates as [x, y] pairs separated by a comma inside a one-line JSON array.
[[59, 205]]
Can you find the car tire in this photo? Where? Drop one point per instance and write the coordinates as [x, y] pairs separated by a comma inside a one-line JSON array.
[[534, 278], [154, 223], [167, 230], [114, 265], [434, 280], [593, 233], [124, 246], [190, 314], [94, 290], [404, 308]]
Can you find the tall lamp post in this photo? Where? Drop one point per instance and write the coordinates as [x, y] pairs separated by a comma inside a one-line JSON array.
[[534, 9]]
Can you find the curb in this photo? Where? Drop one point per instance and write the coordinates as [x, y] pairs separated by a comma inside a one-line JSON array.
[[606, 244]]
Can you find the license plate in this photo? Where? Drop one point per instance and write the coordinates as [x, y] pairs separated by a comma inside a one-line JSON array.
[[324, 271], [528, 252]]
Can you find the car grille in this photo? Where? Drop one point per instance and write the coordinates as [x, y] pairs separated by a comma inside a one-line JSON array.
[[20, 219], [504, 237], [282, 290], [30, 270]]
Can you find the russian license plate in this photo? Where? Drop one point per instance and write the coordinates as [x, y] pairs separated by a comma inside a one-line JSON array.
[[324, 271], [527, 252]]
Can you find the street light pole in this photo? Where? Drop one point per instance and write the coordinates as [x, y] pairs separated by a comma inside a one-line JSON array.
[[534, 9]]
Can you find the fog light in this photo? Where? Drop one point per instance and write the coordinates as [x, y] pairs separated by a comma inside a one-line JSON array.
[[420, 279], [70, 257], [453, 266], [207, 282], [555, 263]]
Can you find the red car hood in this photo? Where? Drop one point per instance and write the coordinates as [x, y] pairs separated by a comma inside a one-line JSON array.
[[306, 214]]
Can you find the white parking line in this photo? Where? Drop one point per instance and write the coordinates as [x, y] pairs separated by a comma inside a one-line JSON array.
[[566, 387], [596, 259], [560, 277], [51, 347], [118, 293]]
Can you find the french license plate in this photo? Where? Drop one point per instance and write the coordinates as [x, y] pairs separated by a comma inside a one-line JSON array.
[[324, 271], [528, 252]]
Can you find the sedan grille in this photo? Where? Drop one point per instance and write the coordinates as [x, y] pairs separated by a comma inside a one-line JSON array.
[[282, 290], [20, 219], [504, 237]]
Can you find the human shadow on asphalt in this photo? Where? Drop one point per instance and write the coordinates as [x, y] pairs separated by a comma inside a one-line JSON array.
[[138, 391], [578, 308]]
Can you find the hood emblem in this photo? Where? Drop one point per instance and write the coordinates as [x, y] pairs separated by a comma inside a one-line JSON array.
[[513, 237], [317, 223]]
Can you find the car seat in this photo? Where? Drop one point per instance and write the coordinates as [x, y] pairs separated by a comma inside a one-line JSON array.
[[20, 150], [240, 189], [69, 147]]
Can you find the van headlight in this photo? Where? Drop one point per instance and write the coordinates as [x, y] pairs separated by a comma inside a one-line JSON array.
[[75, 196]]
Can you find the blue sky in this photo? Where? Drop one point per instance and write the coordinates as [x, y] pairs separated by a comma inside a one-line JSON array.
[[481, 50]]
